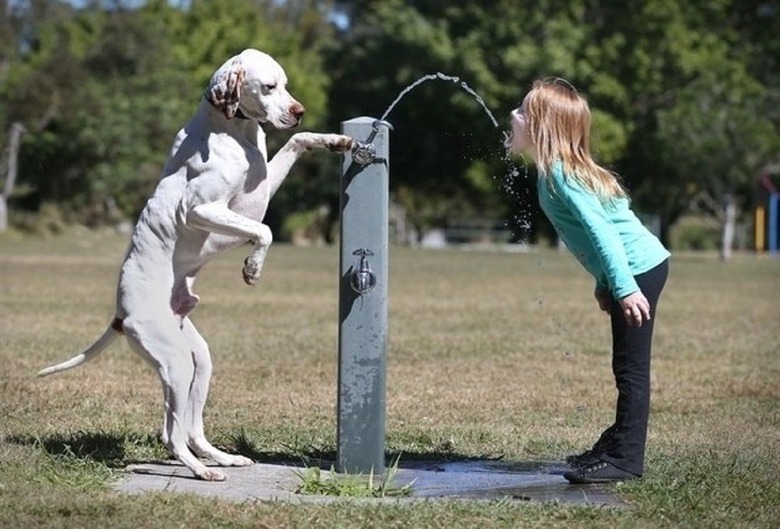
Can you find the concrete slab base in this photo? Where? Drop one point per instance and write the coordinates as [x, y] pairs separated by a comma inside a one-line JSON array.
[[475, 480]]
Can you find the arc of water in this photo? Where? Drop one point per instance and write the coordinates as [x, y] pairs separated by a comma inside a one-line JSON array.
[[443, 77]]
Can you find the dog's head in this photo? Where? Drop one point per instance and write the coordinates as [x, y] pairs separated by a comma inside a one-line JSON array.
[[253, 83]]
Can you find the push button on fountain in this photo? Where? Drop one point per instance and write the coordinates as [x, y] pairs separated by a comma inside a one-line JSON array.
[[362, 278], [364, 153]]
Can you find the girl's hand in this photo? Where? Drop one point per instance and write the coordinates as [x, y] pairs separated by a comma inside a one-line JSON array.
[[603, 298], [636, 308]]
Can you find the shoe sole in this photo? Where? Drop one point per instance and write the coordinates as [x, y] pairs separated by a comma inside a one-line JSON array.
[[576, 480]]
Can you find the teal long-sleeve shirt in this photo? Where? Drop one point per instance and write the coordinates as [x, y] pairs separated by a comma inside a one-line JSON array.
[[607, 239]]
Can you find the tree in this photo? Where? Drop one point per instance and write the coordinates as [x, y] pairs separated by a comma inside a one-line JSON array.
[[102, 152], [447, 157], [17, 129], [684, 94], [719, 135], [30, 102], [122, 80], [652, 70], [702, 117]]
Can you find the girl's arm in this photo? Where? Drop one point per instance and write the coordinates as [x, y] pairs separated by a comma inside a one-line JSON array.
[[592, 215], [588, 209]]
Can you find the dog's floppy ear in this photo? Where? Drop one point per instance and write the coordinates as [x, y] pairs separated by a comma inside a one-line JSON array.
[[225, 88]]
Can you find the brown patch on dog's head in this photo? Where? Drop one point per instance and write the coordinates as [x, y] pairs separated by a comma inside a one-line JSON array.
[[225, 87]]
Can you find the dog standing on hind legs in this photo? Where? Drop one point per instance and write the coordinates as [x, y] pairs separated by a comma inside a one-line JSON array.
[[213, 196]]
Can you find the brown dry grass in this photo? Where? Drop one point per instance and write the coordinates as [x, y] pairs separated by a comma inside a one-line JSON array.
[[491, 354]]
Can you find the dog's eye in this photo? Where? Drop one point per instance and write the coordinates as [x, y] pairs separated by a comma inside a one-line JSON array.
[[269, 87]]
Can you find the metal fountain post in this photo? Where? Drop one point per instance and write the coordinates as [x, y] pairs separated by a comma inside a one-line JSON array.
[[364, 193]]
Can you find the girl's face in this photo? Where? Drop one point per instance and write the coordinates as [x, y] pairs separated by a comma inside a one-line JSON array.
[[519, 141]]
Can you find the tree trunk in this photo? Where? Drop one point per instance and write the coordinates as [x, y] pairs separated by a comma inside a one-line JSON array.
[[3, 214], [729, 227], [17, 129]]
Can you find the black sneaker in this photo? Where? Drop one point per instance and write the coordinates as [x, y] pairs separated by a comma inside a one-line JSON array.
[[593, 454], [599, 472]]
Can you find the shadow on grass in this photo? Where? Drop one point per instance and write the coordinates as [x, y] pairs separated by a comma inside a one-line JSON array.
[[120, 449], [302, 455], [112, 449], [437, 459]]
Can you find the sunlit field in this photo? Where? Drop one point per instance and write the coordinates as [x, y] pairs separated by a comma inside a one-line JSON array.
[[491, 354]]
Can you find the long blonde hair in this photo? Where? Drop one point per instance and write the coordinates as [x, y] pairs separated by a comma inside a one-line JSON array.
[[558, 121]]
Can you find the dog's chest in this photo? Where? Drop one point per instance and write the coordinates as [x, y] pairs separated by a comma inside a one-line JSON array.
[[256, 172], [252, 199]]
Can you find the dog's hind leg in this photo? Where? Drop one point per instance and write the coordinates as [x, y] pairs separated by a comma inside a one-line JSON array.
[[196, 401], [160, 340]]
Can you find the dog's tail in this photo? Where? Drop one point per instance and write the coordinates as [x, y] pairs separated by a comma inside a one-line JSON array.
[[114, 330]]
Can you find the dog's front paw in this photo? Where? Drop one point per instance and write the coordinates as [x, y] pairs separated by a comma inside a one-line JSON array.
[[338, 142], [251, 271]]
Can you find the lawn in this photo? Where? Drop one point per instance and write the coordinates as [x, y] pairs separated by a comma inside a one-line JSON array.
[[491, 354]]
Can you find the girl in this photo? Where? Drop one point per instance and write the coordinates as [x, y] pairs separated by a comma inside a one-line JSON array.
[[589, 210]]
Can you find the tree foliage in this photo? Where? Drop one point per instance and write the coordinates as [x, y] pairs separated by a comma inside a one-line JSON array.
[[684, 93], [110, 86], [683, 101]]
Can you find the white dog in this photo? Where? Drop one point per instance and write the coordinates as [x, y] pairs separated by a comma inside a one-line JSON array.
[[212, 196]]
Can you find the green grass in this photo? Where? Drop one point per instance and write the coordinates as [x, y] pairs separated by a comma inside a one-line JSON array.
[[490, 355], [359, 485]]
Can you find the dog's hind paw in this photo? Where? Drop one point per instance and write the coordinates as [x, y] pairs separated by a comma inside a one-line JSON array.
[[230, 460], [212, 474], [241, 461]]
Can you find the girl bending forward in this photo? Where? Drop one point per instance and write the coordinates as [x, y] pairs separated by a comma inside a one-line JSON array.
[[590, 211]]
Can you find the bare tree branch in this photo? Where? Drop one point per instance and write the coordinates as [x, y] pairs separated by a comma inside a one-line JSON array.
[[705, 204], [51, 112]]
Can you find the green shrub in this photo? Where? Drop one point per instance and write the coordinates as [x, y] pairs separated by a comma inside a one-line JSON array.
[[695, 233]]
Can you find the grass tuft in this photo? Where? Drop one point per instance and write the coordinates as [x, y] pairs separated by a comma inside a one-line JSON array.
[[352, 485], [73, 472]]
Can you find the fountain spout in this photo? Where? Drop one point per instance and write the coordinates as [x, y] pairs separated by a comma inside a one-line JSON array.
[[364, 153]]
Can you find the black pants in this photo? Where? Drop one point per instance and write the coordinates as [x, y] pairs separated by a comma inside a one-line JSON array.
[[631, 347]]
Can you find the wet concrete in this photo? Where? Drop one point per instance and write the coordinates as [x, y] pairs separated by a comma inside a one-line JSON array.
[[497, 479], [428, 480]]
